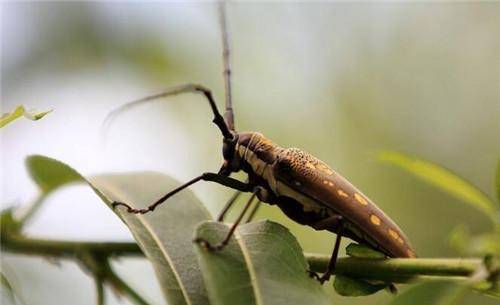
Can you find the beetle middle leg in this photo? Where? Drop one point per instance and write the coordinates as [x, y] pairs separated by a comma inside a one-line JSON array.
[[221, 245], [333, 259]]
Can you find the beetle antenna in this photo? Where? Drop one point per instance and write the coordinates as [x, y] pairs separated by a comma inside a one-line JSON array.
[[226, 56], [186, 88]]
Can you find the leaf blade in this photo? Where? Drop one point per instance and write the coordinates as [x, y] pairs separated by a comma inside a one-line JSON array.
[[273, 265]]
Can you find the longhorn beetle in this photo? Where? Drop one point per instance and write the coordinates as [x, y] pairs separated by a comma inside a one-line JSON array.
[[306, 189]]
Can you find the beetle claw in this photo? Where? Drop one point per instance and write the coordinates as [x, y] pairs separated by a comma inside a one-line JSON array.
[[313, 275], [208, 246]]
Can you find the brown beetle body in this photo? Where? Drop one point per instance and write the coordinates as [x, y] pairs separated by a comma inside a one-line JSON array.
[[309, 192], [303, 187]]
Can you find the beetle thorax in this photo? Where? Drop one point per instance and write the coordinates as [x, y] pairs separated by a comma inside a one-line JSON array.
[[256, 152]]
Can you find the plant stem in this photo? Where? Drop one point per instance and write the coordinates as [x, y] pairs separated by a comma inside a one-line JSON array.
[[394, 270], [397, 269], [59, 248], [25, 213], [121, 286], [99, 290]]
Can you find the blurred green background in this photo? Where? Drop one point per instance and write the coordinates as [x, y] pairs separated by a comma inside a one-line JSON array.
[[341, 81]]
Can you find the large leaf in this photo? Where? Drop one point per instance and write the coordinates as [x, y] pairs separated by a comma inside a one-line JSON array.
[[431, 293], [19, 112], [165, 236], [442, 178], [262, 264]]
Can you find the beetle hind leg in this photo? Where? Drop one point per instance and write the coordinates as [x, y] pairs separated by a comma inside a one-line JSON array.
[[333, 259]]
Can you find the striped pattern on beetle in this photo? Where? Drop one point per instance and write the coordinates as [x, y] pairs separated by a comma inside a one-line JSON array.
[[295, 174]]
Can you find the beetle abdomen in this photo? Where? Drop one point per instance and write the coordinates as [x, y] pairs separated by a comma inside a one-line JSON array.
[[308, 179]]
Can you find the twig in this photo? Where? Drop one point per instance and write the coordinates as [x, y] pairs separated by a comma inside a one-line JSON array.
[[60, 249], [99, 287], [397, 269], [394, 270]]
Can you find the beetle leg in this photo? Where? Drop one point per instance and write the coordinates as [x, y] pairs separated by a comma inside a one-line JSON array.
[[333, 259], [228, 205], [221, 245], [263, 196], [213, 177], [253, 212]]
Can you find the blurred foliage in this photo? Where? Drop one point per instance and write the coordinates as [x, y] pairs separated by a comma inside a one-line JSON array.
[[444, 179], [19, 112]]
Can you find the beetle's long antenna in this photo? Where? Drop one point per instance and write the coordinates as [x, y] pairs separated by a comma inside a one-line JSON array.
[[186, 88], [226, 56]]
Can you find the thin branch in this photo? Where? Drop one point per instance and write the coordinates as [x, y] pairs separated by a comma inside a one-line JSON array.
[[58, 248], [397, 269], [25, 213], [113, 279], [99, 290], [394, 270]]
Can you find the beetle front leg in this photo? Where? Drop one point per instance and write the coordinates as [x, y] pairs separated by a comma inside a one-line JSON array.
[[212, 177]]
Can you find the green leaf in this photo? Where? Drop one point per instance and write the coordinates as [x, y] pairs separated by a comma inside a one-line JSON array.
[[262, 264], [362, 251], [431, 293], [165, 236], [443, 179], [50, 174], [351, 287], [20, 111]]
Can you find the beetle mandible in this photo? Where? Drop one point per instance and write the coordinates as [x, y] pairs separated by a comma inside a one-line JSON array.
[[306, 189]]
